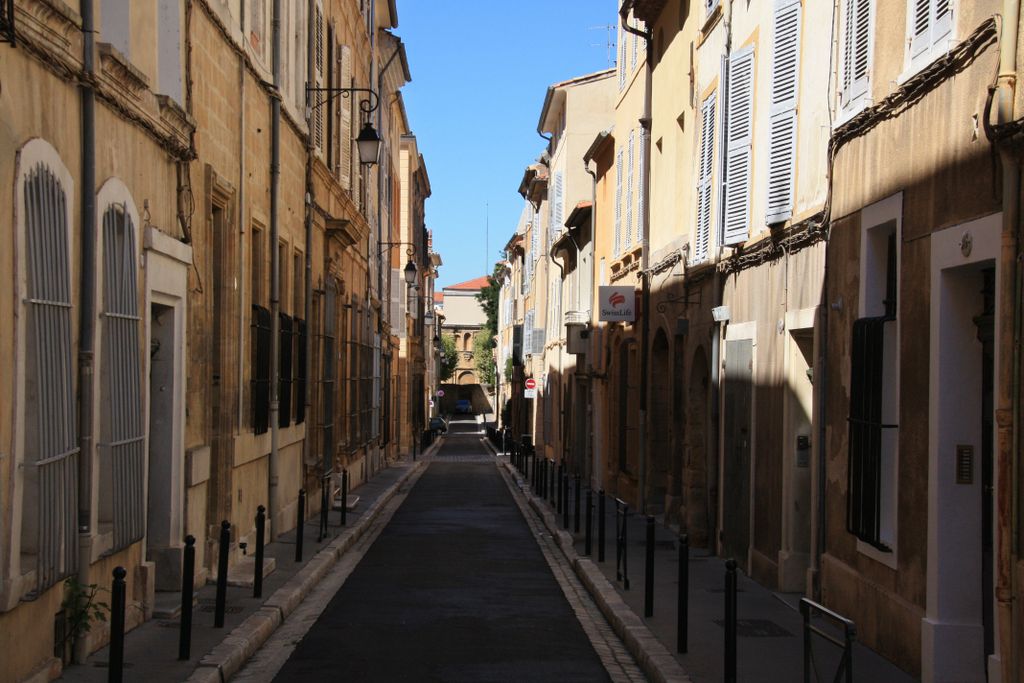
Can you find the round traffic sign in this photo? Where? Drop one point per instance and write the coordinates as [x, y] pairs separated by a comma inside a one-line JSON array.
[[531, 383], [440, 392]]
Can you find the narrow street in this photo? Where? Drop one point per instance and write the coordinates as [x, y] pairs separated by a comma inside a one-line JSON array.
[[454, 588]]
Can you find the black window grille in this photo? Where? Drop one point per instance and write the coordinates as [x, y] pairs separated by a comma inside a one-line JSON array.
[[300, 371], [866, 423], [260, 369], [284, 384], [7, 32], [865, 462]]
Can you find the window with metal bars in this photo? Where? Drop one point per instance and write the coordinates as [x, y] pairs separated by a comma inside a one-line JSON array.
[[870, 433], [260, 370], [300, 369], [328, 382], [121, 452], [49, 538], [284, 386]]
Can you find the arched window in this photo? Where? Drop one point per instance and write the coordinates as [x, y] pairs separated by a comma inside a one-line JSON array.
[[49, 441], [121, 443]]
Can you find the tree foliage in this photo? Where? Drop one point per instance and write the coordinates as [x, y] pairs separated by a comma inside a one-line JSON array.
[[449, 356], [483, 345]]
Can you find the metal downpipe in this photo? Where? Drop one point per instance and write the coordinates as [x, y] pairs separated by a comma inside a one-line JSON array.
[[645, 256], [87, 307], [275, 269], [1008, 393]]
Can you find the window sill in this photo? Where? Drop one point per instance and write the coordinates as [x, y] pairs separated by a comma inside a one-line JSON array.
[[916, 65], [850, 111], [868, 550]]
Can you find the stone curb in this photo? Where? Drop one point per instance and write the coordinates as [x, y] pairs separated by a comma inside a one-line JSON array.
[[227, 658], [654, 659]]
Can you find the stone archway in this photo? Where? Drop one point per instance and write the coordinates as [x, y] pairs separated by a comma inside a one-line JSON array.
[[659, 463], [695, 512]]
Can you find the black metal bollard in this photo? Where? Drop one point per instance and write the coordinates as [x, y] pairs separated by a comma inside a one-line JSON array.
[[117, 604], [344, 497], [261, 528], [300, 510], [683, 599], [588, 542], [554, 481], [564, 488], [222, 574], [649, 570], [730, 621], [625, 546], [600, 525], [188, 578], [561, 489], [325, 485], [576, 507]]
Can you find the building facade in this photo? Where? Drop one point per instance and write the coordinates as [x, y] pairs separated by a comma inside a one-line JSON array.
[[199, 308]]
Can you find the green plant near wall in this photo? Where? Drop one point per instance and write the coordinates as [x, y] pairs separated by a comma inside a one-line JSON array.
[[81, 608]]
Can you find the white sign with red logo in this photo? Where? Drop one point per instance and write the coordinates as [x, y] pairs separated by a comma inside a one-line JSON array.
[[531, 388], [616, 303]]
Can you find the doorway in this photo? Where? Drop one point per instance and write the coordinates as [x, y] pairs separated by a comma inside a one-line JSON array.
[[736, 448], [161, 506]]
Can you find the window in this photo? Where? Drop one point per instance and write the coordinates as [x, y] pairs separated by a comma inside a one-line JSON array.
[[929, 23], [169, 19], [874, 388], [260, 369], [704, 175], [49, 462], [256, 265], [345, 173], [782, 126], [739, 133], [120, 445], [856, 58], [256, 23], [622, 59], [528, 334], [117, 25], [284, 370]]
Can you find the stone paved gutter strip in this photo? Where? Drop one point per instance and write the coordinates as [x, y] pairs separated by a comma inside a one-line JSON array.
[[654, 659], [225, 660]]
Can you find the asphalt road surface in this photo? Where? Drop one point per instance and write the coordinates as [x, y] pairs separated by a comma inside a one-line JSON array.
[[455, 588]]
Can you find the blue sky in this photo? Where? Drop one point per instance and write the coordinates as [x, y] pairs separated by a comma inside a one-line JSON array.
[[480, 70]]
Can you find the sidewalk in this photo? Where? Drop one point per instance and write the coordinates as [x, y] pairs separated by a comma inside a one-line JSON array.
[[151, 650], [770, 627]]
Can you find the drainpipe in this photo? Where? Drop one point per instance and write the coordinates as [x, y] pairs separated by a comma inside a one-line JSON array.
[[1008, 395], [275, 265], [645, 257], [307, 304], [590, 356], [87, 307]]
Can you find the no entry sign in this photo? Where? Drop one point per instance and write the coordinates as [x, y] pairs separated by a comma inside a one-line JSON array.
[[531, 383], [530, 388]]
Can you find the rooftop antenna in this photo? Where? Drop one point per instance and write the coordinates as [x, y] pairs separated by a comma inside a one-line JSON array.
[[609, 43]]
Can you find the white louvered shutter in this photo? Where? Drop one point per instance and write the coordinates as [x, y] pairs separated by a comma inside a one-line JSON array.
[[528, 333], [622, 59], [704, 176], [930, 21], [320, 112], [555, 207], [630, 204], [782, 125], [739, 129], [856, 50], [559, 202], [640, 185], [618, 202], [345, 131]]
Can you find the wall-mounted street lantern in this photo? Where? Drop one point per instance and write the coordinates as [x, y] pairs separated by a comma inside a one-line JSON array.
[[410, 270], [368, 141]]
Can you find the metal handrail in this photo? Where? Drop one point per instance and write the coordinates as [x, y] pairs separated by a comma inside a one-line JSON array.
[[807, 607]]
